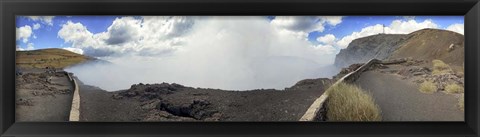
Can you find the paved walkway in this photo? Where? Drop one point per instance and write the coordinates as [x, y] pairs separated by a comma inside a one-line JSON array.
[[400, 100], [46, 105]]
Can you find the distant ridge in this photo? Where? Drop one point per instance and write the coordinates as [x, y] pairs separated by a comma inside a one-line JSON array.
[[52, 57]]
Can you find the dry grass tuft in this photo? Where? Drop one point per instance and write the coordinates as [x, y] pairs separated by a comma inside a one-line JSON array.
[[428, 87], [350, 103], [454, 88], [461, 102], [439, 67]]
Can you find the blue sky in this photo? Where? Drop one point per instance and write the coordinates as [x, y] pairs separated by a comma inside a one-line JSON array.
[[356, 23], [47, 36]]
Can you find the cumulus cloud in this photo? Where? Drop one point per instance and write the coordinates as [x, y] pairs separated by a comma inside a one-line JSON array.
[[123, 30], [327, 39], [24, 33], [302, 25], [459, 28], [44, 19], [170, 27], [216, 52], [367, 31], [327, 49], [36, 26], [409, 17], [331, 20], [405, 27], [396, 27], [79, 36], [19, 48], [30, 46], [129, 35]]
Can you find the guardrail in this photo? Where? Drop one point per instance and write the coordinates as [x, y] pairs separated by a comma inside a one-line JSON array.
[[317, 110], [75, 109]]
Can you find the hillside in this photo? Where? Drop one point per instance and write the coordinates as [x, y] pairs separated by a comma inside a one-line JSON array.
[[430, 44], [58, 58], [425, 44], [363, 49]]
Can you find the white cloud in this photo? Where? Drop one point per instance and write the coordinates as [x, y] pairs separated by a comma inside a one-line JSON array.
[[367, 31], [30, 46], [144, 35], [396, 27], [75, 50], [36, 26], [44, 19], [300, 26], [169, 26], [405, 27], [24, 33], [332, 20], [298, 23], [409, 17], [77, 34], [162, 35], [459, 28], [327, 39], [19, 48], [123, 30], [327, 49]]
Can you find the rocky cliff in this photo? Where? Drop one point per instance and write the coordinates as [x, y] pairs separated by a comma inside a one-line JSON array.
[[361, 50]]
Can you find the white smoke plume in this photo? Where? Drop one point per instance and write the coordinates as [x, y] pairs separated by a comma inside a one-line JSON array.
[[232, 53]]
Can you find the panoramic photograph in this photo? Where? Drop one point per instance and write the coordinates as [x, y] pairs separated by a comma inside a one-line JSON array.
[[239, 68]]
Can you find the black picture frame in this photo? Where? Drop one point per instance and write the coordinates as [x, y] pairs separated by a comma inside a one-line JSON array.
[[470, 9]]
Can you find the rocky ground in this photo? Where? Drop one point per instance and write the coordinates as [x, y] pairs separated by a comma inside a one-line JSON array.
[[175, 102], [418, 71], [40, 100], [395, 88]]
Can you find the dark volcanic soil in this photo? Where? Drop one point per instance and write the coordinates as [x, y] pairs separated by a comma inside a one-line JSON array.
[[39, 100], [400, 100], [173, 102], [396, 90], [98, 105]]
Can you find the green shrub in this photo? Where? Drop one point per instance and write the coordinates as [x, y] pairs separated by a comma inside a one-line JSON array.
[[350, 103]]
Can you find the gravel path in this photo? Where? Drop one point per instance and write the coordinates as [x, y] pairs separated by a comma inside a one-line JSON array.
[[400, 100]]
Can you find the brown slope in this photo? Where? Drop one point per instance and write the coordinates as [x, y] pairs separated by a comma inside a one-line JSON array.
[[430, 44], [58, 58]]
